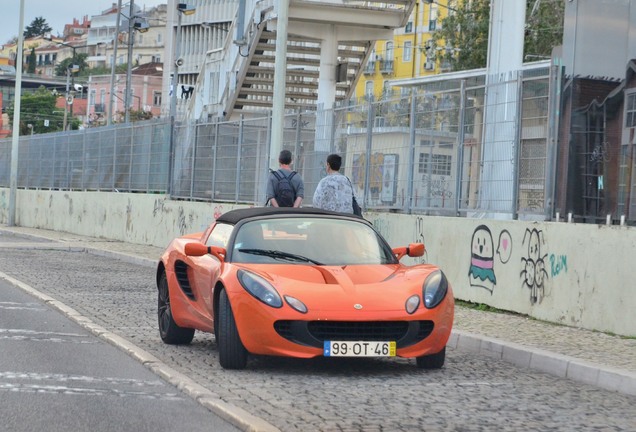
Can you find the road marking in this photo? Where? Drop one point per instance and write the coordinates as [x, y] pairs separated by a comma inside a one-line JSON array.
[[40, 336], [5, 306], [78, 385]]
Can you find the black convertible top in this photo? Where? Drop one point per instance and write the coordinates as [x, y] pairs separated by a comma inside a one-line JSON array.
[[235, 216]]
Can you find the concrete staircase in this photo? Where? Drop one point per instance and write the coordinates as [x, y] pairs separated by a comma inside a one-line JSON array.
[[244, 68]]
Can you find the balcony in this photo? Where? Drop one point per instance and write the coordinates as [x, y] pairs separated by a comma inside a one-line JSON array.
[[369, 69], [386, 66]]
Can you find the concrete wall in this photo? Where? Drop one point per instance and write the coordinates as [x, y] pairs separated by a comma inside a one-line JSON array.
[[579, 275]]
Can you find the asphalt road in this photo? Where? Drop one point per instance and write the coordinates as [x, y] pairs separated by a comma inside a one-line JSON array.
[[471, 393], [56, 376]]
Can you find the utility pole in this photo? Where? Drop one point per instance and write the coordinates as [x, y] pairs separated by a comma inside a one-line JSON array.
[[131, 40], [112, 66], [15, 140], [67, 98]]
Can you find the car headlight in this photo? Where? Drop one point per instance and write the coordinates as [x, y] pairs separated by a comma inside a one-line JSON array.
[[260, 288], [412, 303], [435, 288], [296, 304]]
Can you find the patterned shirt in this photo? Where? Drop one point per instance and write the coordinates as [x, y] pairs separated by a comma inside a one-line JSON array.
[[335, 193]]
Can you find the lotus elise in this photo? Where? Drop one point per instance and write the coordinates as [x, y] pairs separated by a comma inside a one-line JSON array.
[[302, 283]]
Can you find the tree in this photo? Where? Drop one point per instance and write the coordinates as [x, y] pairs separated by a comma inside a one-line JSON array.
[[103, 70], [38, 27], [31, 62], [461, 42], [80, 60], [37, 109], [544, 28], [134, 115]]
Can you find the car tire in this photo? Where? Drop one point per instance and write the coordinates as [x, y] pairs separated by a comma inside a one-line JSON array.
[[433, 361], [232, 353], [170, 332]]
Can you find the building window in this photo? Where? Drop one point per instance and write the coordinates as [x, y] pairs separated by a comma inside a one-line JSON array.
[[368, 89], [102, 96], [409, 27], [388, 51], [436, 164], [630, 110], [432, 19], [156, 98], [407, 51]]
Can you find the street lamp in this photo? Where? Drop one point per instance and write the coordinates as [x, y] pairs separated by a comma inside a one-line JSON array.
[[135, 23], [182, 9]]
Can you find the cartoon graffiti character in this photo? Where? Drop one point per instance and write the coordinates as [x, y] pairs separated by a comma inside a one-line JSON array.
[[482, 272], [534, 272]]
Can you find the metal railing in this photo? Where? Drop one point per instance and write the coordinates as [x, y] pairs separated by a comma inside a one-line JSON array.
[[445, 149]]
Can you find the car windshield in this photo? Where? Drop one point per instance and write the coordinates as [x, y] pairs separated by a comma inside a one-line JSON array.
[[305, 240]]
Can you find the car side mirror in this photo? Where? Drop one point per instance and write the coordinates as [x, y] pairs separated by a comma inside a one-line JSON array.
[[415, 249], [199, 249], [412, 250]]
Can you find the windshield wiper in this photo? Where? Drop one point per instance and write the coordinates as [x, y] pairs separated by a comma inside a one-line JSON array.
[[280, 255]]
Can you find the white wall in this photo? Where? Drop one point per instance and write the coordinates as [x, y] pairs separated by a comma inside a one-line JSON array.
[[580, 275]]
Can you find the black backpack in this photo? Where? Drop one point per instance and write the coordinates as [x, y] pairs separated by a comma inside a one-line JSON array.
[[284, 191]]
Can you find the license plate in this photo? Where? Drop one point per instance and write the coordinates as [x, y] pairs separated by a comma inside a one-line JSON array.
[[359, 349]]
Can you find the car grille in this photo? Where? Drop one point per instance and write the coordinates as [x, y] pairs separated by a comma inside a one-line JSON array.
[[314, 333]]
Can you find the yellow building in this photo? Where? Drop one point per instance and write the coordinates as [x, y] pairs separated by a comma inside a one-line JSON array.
[[406, 55]]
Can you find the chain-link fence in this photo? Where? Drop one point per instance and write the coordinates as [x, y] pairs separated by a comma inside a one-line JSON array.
[[454, 147]]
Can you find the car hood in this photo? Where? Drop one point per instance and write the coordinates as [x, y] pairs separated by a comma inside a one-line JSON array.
[[376, 287]]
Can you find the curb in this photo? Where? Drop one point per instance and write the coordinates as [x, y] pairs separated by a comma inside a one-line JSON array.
[[559, 365]]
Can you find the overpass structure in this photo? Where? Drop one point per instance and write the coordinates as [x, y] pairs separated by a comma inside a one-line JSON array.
[[327, 45]]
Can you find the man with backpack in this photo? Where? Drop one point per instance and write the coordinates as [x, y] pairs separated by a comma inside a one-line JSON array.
[[285, 188]]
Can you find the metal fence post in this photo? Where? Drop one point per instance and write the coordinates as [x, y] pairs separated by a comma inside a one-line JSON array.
[[332, 133], [411, 162], [297, 141], [370, 117], [114, 175], [215, 146], [83, 185], [194, 158], [461, 130], [554, 104], [238, 159], [130, 160], [517, 149]]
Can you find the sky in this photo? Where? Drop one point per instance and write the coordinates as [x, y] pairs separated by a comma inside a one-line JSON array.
[[57, 13]]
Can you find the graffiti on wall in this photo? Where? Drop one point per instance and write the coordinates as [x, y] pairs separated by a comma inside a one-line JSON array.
[[558, 265], [420, 238], [218, 211], [533, 271], [437, 187], [482, 257]]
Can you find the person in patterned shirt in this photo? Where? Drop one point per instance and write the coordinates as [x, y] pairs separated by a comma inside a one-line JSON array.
[[335, 191]]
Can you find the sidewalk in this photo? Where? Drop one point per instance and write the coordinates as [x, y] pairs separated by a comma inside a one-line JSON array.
[[590, 357]]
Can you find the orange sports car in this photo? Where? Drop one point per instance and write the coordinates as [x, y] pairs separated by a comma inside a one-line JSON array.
[[302, 283]]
